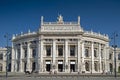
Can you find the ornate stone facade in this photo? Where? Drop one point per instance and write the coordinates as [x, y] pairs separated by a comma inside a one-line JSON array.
[[62, 47]]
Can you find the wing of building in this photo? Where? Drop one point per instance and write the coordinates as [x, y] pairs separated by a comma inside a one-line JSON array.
[[62, 47]]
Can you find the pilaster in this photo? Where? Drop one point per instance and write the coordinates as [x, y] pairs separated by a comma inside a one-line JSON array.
[[83, 53], [66, 55], [13, 59], [28, 57], [16, 58], [92, 57], [21, 57], [79, 56], [100, 66], [54, 51], [41, 55]]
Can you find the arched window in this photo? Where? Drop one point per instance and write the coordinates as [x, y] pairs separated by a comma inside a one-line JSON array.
[[87, 66], [95, 53], [0, 67], [111, 67], [96, 66], [86, 53], [119, 56]]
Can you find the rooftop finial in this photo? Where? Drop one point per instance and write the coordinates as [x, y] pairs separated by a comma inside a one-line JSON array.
[[60, 19], [41, 20], [78, 19]]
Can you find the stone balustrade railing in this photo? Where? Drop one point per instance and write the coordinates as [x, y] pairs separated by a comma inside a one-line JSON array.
[[23, 34], [96, 34], [57, 23]]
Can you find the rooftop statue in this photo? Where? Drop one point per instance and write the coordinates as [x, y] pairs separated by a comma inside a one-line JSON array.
[[60, 19]]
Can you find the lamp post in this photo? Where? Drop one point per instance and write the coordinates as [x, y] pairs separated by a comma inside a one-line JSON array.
[[114, 46], [6, 36]]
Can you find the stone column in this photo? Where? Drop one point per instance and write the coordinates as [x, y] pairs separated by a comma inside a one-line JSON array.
[[13, 58], [21, 57], [105, 51], [16, 58], [79, 56], [92, 57], [66, 55], [28, 57], [54, 55], [37, 56], [100, 66], [83, 56], [54, 51], [41, 55]]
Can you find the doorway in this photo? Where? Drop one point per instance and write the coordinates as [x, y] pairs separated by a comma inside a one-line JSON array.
[[48, 66], [72, 67], [60, 67]]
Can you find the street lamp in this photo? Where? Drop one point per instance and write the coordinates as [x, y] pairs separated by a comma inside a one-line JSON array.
[[114, 46]]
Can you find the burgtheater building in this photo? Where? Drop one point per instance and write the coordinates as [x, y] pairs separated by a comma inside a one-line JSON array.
[[62, 47]]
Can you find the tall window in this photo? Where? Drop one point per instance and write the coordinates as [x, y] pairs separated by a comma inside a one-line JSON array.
[[48, 50], [60, 51], [96, 66], [86, 53], [111, 67], [72, 50], [34, 53], [18, 54], [33, 66], [87, 66], [0, 67], [101, 53], [25, 53], [1, 56], [110, 56], [95, 52], [119, 56]]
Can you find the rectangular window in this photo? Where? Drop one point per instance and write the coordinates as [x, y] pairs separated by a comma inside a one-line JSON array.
[[48, 50], [33, 53], [72, 50], [101, 53], [110, 56], [25, 53], [18, 54], [1, 56], [60, 50]]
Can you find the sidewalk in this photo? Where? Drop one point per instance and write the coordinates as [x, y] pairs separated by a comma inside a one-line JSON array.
[[18, 74]]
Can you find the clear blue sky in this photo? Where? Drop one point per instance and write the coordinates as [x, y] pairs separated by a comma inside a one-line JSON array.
[[20, 15]]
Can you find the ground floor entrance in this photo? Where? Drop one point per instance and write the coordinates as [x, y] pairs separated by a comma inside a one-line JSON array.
[[48, 67], [60, 67], [72, 67]]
